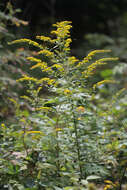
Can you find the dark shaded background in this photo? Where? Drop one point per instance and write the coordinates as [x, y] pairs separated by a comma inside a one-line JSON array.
[[88, 16]]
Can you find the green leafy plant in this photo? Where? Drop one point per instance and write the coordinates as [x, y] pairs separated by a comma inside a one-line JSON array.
[[57, 143]]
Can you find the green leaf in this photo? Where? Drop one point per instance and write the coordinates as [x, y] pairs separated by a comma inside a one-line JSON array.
[[92, 177]]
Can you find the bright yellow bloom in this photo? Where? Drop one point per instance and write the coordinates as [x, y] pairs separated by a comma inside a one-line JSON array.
[[90, 56], [58, 66], [46, 52], [27, 78], [12, 100], [43, 108], [63, 29], [67, 44], [58, 129], [2, 125], [33, 59], [67, 91], [34, 132], [91, 68], [72, 60], [30, 42], [107, 187], [108, 181], [44, 38], [80, 109], [103, 82], [47, 80]]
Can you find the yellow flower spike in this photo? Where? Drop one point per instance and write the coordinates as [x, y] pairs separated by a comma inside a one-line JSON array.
[[43, 108], [33, 59], [42, 65], [46, 53], [58, 129], [34, 132], [47, 80], [80, 109], [92, 53], [58, 66], [63, 29], [39, 89], [108, 181], [67, 44], [24, 40], [12, 100], [27, 78], [91, 68], [107, 187], [72, 60], [103, 82], [44, 38]]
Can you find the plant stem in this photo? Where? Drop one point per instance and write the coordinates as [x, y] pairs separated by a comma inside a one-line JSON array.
[[24, 144], [77, 143], [57, 147]]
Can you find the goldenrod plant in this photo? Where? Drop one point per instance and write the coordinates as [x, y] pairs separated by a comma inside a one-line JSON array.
[[57, 141]]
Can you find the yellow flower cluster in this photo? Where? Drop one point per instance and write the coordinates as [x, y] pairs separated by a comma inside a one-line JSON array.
[[46, 52], [47, 80], [34, 132], [80, 109], [27, 78], [91, 68], [43, 108], [30, 42], [103, 82], [90, 56], [92, 53], [33, 59], [42, 65], [63, 29], [45, 39], [110, 185], [59, 67], [72, 60], [67, 91], [67, 44]]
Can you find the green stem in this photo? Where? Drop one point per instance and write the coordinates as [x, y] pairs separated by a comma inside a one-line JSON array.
[[24, 144], [77, 143], [57, 148]]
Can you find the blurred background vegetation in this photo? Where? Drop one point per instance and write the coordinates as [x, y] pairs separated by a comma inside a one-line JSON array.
[[96, 25]]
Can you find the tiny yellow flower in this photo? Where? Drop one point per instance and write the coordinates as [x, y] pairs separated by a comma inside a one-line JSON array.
[[67, 91], [2, 125], [80, 109]]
